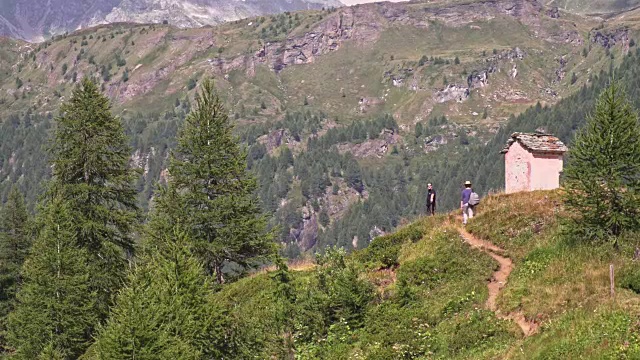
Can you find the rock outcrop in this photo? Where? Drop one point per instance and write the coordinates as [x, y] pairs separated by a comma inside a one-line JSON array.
[[451, 92], [373, 147], [608, 39]]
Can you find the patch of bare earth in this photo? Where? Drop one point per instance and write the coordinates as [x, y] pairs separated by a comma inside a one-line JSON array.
[[499, 281]]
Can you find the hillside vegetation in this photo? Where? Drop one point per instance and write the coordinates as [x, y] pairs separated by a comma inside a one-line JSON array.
[[346, 113], [421, 293]]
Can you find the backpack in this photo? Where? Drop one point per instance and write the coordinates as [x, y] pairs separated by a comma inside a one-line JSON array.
[[474, 199]]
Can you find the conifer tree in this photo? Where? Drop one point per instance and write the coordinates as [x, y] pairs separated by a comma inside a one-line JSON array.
[[55, 308], [601, 178], [14, 246], [165, 311], [285, 295], [211, 192], [91, 172]]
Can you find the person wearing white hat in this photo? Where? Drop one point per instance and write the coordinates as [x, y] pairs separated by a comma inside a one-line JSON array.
[[467, 209]]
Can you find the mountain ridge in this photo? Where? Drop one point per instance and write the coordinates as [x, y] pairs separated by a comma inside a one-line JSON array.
[[33, 21]]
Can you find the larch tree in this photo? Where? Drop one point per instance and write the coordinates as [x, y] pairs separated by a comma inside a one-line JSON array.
[[211, 192], [90, 158], [55, 308], [601, 178], [166, 310], [14, 247]]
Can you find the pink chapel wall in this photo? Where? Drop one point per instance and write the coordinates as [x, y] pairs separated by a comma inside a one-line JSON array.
[[517, 167], [545, 174], [525, 171]]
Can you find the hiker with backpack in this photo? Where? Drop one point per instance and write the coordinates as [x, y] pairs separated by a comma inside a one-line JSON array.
[[469, 199], [431, 200]]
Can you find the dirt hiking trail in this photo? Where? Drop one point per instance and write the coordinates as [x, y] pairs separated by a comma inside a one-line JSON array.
[[498, 280]]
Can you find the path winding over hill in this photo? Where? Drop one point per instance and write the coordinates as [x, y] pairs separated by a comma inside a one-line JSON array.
[[499, 280]]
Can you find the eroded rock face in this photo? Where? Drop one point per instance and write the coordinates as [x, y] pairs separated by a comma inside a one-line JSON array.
[[480, 78], [608, 39], [560, 72], [451, 92], [432, 143], [366, 102], [553, 13], [373, 147], [276, 138]]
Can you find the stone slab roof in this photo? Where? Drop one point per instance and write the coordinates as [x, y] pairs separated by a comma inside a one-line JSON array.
[[536, 143]]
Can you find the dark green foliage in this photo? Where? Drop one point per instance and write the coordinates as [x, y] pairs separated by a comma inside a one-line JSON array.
[[631, 279], [90, 158], [346, 295], [106, 73], [64, 68], [353, 176], [285, 301], [165, 311], [125, 75], [324, 218], [419, 130], [14, 247], [574, 78], [383, 251], [191, 84], [210, 191], [601, 179], [56, 309]]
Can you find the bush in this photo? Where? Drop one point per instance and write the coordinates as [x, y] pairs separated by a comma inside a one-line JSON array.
[[191, 84], [383, 251], [631, 279], [347, 294]]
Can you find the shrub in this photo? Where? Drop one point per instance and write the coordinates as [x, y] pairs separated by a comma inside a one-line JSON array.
[[383, 251], [191, 84], [631, 279], [347, 294]]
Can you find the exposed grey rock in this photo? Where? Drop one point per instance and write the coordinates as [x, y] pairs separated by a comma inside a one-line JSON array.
[[33, 20], [608, 39], [452, 92]]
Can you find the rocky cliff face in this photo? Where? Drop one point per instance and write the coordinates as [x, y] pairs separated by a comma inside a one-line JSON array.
[[35, 20]]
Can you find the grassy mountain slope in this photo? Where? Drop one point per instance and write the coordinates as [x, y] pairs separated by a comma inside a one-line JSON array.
[[349, 63], [341, 109], [595, 7], [428, 291]]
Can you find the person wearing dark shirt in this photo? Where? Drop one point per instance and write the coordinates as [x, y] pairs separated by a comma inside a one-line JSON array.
[[467, 210], [431, 200]]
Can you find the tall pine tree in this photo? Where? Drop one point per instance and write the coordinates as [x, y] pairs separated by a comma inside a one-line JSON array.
[[91, 172], [211, 191], [601, 178], [14, 246], [55, 308], [165, 311]]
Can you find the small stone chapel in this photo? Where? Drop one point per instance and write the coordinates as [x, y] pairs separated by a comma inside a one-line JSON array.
[[532, 162]]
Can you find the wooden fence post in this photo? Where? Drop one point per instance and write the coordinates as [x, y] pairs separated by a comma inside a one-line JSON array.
[[612, 281]]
